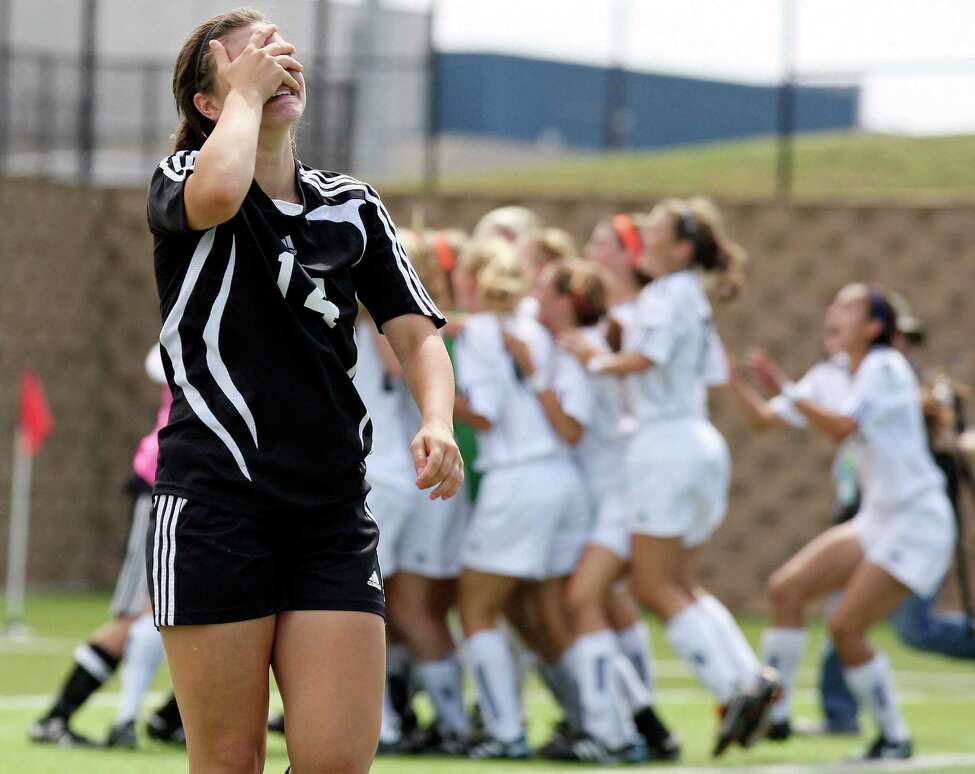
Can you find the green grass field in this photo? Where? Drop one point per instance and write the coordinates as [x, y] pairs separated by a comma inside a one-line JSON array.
[[938, 696], [827, 166]]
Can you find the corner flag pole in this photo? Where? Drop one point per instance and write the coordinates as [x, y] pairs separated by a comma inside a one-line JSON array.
[[19, 526]]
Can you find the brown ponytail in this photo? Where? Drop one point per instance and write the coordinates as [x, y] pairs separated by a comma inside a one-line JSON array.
[[192, 74], [699, 221], [585, 285]]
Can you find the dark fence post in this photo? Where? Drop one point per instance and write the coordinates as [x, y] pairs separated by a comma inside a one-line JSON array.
[[86, 90], [787, 104], [431, 153], [6, 109]]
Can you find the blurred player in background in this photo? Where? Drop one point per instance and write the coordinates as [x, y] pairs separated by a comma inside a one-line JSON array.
[[901, 539], [131, 632], [678, 465], [526, 420]]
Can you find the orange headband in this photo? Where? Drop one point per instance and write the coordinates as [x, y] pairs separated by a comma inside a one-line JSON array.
[[629, 236], [445, 255]]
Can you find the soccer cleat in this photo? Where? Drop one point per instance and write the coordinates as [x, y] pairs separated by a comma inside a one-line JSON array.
[[585, 748], [745, 717], [122, 736], [490, 748], [275, 723], [162, 731], [434, 740], [55, 730], [779, 731], [884, 750], [397, 747], [661, 744], [557, 748]]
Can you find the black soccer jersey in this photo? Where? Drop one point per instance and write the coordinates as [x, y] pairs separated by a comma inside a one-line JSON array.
[[258, 339]]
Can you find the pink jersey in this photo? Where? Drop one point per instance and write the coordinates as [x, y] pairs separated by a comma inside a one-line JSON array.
[[144, 462]]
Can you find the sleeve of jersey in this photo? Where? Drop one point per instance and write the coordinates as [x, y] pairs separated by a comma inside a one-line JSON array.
[[876, 392], [574, 389], [716, 361], [386, 282], [806, 389], [655, 323], [166, 210], [478, 379]]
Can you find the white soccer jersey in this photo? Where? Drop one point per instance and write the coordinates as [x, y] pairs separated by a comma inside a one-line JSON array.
[[390, 462], [604, 442], [826, 384], [895, 461], [496, 390], [674, 328]]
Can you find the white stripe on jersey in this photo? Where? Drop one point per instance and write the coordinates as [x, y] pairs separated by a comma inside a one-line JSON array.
[[347, 212], [343, 184], [179, 165], [211, 337], [170, 340]]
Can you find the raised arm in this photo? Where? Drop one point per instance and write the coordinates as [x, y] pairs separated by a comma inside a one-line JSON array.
[[430, 377], [224, 167]]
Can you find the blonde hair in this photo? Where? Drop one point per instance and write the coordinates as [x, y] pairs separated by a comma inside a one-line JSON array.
[[509, 223], [502, 283], [550, 244], [424, 260], [699, 221]]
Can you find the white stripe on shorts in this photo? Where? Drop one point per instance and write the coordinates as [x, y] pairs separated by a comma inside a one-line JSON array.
[[164, 559], [159, 506], [171, 568]]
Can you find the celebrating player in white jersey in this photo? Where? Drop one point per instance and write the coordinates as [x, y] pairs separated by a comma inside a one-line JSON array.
[[529, 520], [678, 466], [901, 539]]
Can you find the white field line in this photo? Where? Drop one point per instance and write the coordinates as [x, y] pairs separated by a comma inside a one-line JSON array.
[[961, 762]]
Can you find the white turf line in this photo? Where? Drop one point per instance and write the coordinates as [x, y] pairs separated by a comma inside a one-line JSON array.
[[920, 764]]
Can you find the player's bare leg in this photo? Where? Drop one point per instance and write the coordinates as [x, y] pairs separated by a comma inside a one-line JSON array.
[[330, 668], [220, 674]]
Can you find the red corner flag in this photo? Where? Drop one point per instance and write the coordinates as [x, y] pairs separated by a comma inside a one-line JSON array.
[[36, 422]]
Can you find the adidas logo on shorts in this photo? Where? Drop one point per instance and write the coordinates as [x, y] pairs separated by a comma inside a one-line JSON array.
[[374, 581]]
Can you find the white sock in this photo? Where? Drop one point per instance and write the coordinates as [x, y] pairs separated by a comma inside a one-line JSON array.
[[605, 710], [493, 669], [634, 690], [873, 686], [782, 649], [746, 662], [691, 634], [389, 729], [561, 679], [637, 646], [143, 654], [443, 680]]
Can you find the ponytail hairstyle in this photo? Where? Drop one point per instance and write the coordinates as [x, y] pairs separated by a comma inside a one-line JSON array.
[[880, 308], [699, 222], [502, 282], [193, 73], [585, 285]]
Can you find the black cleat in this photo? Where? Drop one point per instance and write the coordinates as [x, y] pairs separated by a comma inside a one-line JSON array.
[[780, 731], [122, 736], [162, 731], [434, 740], [559, 745], [744, 719], [275, 723], [490, 748], [584, 748], [884, 750], [55, 730], [661, 744]]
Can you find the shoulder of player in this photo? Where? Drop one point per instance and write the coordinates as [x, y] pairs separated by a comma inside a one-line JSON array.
[[177, 165], [325, 184]]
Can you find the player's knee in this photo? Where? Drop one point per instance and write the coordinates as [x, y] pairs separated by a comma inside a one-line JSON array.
[[235, 756], [340, 760], [784, 593], [846, 633], [580, 599]]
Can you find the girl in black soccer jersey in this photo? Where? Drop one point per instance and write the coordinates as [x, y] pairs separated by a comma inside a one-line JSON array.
[[261, 552]]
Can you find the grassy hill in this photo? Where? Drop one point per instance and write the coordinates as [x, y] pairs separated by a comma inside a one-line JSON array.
[[827, 166]]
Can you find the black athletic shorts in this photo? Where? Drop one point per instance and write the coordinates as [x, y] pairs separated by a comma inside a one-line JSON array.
[[206, 565]]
